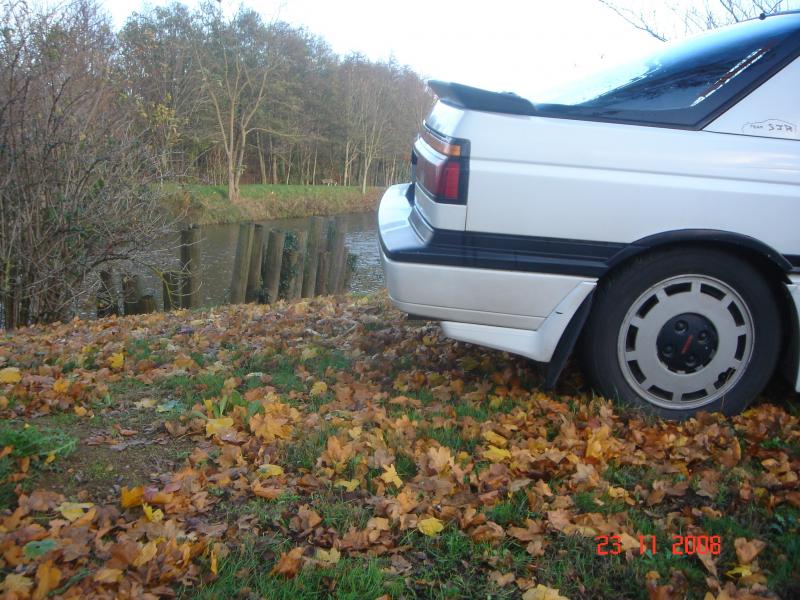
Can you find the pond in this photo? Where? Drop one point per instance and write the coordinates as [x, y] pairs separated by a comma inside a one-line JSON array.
[[218, 248]]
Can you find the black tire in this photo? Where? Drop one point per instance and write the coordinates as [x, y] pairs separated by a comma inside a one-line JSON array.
[[624, 367]]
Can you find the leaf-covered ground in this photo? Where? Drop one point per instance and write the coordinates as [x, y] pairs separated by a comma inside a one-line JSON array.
[[331, 447]]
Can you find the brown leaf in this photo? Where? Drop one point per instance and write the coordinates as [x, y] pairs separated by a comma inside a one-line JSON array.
[[746, 551], [289, 563]]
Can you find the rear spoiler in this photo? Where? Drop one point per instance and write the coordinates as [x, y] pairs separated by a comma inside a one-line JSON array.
[[471, 98]]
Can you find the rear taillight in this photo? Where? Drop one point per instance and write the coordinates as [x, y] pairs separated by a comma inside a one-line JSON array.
[[440, 167]]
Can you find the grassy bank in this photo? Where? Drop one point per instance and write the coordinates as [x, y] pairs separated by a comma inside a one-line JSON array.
[[331, 448], [208, 204]]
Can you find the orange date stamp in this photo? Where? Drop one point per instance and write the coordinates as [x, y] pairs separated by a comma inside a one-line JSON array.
[[681, 545]]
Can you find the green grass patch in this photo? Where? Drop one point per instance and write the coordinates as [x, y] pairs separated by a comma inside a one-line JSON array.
[[246, 574], [28, 441], [209, 204]]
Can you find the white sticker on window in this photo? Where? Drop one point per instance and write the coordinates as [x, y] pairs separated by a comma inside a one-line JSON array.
[[772, 128]]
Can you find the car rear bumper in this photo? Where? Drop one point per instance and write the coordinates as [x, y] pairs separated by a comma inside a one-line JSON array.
[[515, 310]]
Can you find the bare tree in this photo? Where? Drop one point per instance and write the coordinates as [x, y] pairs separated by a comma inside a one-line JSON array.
[[669, 20], [74, 193], [234, 60]]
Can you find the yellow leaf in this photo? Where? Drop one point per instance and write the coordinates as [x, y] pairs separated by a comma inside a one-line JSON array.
[[10, 375], [215, 426], [146, 554], [117, 360], [390, 475], [495, 439], [740, 571], [131, 497], [145, 403], [60, 385], [17, 584], [106, 575], [214, 566], [496, 454], [47, 578], [495, 401], [330, 557], [80, 410], [153, 515], [268, 470], [542, 592], [319, 388], [50, 458], [349, 485], [74, 510], [430, 526], [307, 354]]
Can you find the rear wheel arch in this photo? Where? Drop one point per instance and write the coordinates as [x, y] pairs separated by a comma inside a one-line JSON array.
[[771, 264], [667, 259]]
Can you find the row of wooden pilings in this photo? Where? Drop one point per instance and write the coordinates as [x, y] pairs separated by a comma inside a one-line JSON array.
[[272, 265], [268, 265]]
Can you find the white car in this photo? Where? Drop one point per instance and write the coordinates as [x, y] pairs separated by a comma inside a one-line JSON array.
[[652, 211]]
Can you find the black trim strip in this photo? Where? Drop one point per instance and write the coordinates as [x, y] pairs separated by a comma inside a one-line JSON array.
[[421, 243]]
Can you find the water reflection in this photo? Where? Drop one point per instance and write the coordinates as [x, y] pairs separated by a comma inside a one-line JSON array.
[[218, 248]]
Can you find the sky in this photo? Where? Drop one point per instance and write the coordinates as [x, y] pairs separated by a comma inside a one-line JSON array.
[[522, 46]]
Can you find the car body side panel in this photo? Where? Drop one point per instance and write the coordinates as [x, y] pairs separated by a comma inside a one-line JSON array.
[[773, 110], [573, 179]]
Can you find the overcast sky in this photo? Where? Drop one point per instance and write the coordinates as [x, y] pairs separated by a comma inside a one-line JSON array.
[[521, 46]]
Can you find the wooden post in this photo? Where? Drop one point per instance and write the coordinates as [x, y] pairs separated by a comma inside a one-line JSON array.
[[290, 272], [316, 239], [254, 272], [241, 263], [323, 271], [172, 285], [349, 269], [272, 265], [147, 304], [301, 238], [107, 296], [190, 265], [337, 251], [132, 292]]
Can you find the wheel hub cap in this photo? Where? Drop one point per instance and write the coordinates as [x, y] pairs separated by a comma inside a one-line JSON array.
[[687, 343]]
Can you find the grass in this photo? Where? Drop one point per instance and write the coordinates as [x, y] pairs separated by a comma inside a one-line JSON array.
[[209, 204], [28, 442], [245, 574]]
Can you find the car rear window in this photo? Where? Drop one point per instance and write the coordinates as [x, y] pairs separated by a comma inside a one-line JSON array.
[[685, 83]]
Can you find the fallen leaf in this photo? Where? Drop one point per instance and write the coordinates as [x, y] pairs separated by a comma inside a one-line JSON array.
[[348, 484], [496, 454], [319, 388], [18, 585], [430, 526], [47, 578], [60, 385], [217, 426], [268, 470], [330, 557], [10, 375], [74, 510], [131, 497], [153, 515], [289, 563], [747, 550], [542, 592], [117, 360], [146, 554], [390, 475], [107, 575], [495, 439]]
